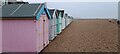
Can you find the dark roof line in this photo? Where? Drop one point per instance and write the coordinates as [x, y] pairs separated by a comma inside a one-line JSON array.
[[48, 13], [51, 11], [18, 2]]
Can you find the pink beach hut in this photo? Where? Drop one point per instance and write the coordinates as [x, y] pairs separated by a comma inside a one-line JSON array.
[[24, 28], [0, 36]]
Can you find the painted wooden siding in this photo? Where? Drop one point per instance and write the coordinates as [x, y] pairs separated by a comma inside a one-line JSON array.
[[60, 24], [25, 35], [66, 20], [39, 31], [42, 32], [51, 29], [19, 36], [63, 23], [46, 30], [0, 36], [55, 24]]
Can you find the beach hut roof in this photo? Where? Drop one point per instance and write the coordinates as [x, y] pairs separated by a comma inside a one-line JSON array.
[[69, 16], [48, 13], [62, 12], [22, 11], [66, 14], [52, 12], [56, 13]]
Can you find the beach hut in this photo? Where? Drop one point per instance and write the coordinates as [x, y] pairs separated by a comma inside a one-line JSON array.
[[61, 14], [52, 24], [70, 19], [59, 22], [24, 28], [66, 19], [0, 32], [0, 36]]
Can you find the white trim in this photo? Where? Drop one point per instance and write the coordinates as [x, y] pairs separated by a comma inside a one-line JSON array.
[[17, 9], [37, 9]]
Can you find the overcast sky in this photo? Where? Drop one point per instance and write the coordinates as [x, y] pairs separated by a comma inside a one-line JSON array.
[[88, 9], [32, 1], [84, 8]]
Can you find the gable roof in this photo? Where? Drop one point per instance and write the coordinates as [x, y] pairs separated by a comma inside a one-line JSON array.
[[21, 10], [66, 15], [51, 11], [57, 13], [62, 12], [48, 13]]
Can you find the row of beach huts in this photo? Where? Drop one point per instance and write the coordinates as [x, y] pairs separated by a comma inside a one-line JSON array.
[[30, 27]]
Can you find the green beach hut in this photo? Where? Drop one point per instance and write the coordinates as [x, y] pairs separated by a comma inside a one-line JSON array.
[[59, 22]]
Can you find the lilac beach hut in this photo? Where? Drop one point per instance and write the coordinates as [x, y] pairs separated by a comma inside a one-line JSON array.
[[0, 36], [24, 28]]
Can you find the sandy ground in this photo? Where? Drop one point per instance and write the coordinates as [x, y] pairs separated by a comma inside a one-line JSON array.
[[86, 36]]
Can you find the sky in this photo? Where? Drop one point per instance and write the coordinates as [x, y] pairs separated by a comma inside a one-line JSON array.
[[32, 1], [84, 8], [88, 9]]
